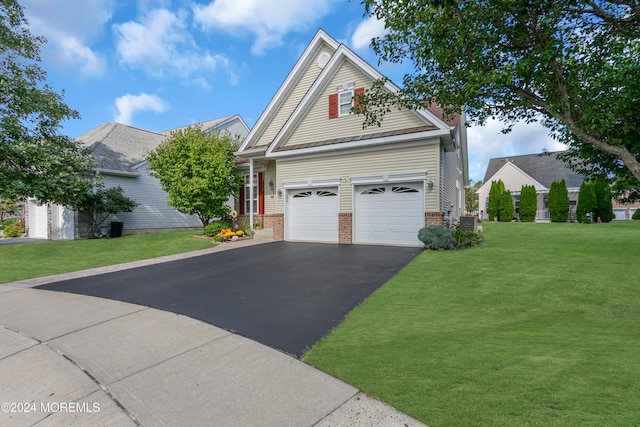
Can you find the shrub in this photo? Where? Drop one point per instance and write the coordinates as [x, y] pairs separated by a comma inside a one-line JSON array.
[[13, 227], [495, 196], [465, 239], [586, 202], [528, 203], [558, 200], [215, 227], [435, 237], [636, 214], [505, 213], [604, 206]]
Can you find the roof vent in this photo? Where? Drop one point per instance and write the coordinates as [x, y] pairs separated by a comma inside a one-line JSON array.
[[323, 59]]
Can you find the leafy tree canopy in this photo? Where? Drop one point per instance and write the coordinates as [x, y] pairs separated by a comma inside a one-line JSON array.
[[198, 171], [102, 203], [573, 64], [471, 197], [35, 159]]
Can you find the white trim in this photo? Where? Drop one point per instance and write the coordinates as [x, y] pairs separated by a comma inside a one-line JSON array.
[[311, 183], [391, 142], [250, 193], [389, 178], [285, 89]]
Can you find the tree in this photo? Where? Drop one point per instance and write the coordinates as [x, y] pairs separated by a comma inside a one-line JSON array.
[[471, 197], [102, 203], [604, 206], [8, 208], [558, 200], [528, 203], [572, 64], [198, 171], [586, 202], [495, 198], [506, 211], [35, 159]]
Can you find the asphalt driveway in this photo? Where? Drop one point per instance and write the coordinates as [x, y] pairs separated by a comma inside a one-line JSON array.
[[283, 294]]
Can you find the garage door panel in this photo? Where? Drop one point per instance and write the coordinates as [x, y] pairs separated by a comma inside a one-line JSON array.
[[313, 215], [389, 213]]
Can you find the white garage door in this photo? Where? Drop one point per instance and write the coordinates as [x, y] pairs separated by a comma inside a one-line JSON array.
[[389, 213], [38, 220], [313, 214]]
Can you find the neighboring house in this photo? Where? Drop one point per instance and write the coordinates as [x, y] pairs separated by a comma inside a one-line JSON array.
[[120, 152], [312, 173], [624, 211], [539, 170]]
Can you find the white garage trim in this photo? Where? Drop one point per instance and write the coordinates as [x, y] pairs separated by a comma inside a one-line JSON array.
[[388, 212], [309, 183], [394, 177], [311, 214]]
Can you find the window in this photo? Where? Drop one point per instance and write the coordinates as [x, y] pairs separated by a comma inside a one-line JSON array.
[[302, 194], [247, 193], [377, 190], [340, 103], [345, 100], [323, 193], [403, 190]]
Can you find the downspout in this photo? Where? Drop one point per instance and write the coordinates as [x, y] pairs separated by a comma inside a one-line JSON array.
[[251, 193]]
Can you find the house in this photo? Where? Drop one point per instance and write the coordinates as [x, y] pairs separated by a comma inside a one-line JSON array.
[[120, 152], [313, 173], [539, 170]]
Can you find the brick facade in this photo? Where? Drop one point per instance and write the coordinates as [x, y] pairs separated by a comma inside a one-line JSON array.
[[345, 221], [275, 221], [433, 218]]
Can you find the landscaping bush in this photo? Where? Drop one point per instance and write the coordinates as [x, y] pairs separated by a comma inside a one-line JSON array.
[[604, 206], [586, 202], [528, 203], [495, 198], [465, 239], [505, 212], [13, 227], [435, 237], [558, 201], [636, 214], [215, 227]]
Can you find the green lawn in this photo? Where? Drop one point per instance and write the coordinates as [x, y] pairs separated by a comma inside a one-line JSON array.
[[539, 326], [26, 261]]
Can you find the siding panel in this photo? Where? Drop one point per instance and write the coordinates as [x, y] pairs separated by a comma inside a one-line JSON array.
[[345, 166]]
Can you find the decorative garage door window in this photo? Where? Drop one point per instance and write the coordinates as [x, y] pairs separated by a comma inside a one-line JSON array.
[[404, 190], [377, 190], [302, 194], [323, 193]]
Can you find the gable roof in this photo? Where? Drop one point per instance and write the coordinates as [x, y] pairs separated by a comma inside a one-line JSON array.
[[543, 167], [210, 124], [430, 121], [119, 147]]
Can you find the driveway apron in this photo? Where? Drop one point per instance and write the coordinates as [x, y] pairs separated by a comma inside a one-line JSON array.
[[286, 295]]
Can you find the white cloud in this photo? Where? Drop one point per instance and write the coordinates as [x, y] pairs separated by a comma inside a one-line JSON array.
[[267, 20], [129, 104], [69, 34], [486, 142], [368, 29], [160, 45]]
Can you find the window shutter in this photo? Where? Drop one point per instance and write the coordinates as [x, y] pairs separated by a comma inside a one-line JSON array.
[[333, 106], [260, 193], [356, 104], [241, 207]]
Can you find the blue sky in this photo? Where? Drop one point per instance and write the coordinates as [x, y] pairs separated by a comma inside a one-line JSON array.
[[161, 64]]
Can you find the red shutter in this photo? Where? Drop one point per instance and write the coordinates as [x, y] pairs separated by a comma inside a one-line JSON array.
[[260, 193], [356, 104], [241, 207], [333, 106]]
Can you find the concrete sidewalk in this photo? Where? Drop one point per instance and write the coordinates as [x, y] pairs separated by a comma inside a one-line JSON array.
[[70, 359]]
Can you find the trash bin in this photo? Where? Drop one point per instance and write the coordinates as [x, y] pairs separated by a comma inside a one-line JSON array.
[[116, 228]]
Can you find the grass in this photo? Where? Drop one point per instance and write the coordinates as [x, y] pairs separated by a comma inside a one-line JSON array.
[[26, 261], [539, 326]]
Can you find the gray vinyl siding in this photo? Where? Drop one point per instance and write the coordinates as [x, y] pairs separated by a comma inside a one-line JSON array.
[[153, 211], [452, 192], [399, 160], [236, 128], [270, 196], [293, 99], [316, 125]]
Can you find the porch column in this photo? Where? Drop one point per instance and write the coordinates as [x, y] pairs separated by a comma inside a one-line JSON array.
[[250, 193]]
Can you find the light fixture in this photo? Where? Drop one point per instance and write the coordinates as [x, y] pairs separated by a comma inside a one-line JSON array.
[[270, 184], [430, 184], [279, 193]]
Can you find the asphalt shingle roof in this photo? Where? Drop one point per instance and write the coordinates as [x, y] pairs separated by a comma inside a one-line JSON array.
[[120, 147], [543, 167]]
